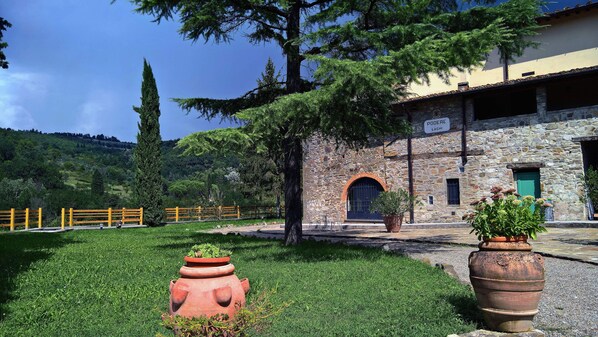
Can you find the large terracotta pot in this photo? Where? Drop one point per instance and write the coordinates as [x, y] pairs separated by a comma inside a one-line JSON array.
[[393, 223], [208, 286], [508, 280]]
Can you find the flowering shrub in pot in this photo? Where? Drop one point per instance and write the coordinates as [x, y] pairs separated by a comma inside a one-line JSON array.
[[504, 214], [507, 277]]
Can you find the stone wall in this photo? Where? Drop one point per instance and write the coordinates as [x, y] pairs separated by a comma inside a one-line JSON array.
[[495, 147]]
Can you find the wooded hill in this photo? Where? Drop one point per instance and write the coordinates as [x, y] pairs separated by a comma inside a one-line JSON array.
[[57, 170]]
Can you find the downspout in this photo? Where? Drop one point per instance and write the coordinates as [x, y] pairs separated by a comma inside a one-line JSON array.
[[463, 133], [410, 167]]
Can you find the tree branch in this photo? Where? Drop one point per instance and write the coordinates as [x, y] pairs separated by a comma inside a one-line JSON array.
[[261, 22], [266, 7], [315, 3], [250, 92]]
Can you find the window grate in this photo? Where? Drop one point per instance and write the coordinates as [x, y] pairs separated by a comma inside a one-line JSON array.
[[452, 187]]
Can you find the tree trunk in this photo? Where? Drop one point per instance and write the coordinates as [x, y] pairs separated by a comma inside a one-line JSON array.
[[292, 191], [293, 152]]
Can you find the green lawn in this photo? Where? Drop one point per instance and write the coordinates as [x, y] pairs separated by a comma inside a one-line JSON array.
[[115, 283]]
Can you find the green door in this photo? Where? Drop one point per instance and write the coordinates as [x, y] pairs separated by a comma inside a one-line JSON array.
[[528, 183]]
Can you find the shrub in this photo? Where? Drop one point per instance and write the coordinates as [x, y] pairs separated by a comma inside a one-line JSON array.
[[590, 183]]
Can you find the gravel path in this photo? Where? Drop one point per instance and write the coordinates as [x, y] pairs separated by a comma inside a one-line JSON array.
[[569, 304]]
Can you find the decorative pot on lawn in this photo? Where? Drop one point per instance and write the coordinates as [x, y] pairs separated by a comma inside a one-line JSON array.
[[207, 287], [393, 223], [508, 279]]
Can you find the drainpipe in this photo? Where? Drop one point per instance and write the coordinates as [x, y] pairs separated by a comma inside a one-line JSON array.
[[463, 133], [410, 168]]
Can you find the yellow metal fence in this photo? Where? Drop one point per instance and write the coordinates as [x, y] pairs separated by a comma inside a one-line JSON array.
[[14, 218], [73, 217], [176, 214], [70, 217]]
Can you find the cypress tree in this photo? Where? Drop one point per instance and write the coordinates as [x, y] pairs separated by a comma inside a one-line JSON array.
[[97, 183], [147, 154]]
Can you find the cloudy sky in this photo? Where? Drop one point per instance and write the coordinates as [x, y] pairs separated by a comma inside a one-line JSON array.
[[76, 65]]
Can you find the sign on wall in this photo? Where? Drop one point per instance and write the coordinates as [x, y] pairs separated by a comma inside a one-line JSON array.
[[437, 125]]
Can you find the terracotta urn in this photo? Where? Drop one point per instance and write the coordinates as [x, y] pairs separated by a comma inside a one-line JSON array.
[[393, 223], [508, 279], [207, 287]]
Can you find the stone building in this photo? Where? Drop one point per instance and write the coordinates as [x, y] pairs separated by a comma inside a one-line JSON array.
[[531, 123]]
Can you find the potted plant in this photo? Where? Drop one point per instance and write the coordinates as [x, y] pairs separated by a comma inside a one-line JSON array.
[[507, 277], [208, 253], [208, 285], [393, 205]]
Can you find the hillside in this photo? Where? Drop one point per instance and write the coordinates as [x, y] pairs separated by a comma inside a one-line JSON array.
[[55, 170]]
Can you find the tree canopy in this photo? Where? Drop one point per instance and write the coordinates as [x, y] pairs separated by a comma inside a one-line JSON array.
[[364, 55], [3, 25]]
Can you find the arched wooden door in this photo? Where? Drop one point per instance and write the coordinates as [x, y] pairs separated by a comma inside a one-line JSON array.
[[360, 196]]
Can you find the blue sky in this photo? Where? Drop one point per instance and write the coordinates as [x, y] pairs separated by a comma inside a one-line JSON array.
[[76, 66]]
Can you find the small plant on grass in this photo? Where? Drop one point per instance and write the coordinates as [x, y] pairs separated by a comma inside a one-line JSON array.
[[253, 318], [207, 250]]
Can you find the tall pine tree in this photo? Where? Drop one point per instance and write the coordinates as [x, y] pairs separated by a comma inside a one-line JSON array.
[[365, 54], [147, 154]]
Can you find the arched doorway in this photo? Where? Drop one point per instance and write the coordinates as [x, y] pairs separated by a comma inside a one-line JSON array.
[[360, 196]]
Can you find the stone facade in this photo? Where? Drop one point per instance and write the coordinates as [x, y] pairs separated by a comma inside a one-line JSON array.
[[496, 147]]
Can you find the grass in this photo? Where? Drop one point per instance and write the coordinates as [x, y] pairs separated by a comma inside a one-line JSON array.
[[82, 180], [115, 283]]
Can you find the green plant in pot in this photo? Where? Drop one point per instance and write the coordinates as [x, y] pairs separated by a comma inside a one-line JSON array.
[[393, 205], [507, 277], [208, 250]]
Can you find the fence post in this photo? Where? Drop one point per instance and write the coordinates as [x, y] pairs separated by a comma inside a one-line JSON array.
[[199, 213], [238, 212], [176, 214], [219, 212], [141, 215], [12, 219], [39, 217], [123, 216], [26, 218], [62, 222], [109, 216], [70, 217]]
